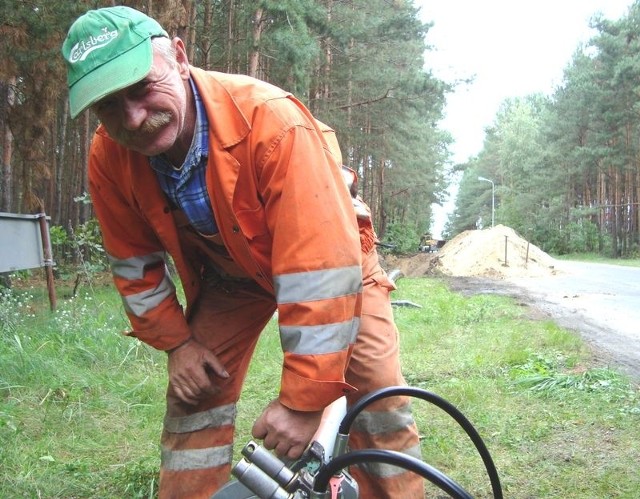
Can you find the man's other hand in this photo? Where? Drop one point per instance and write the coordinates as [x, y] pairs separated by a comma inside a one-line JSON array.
[[192, 372], [286, 431]]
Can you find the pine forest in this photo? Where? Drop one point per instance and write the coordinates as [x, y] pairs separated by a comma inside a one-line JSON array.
[[566, 166]]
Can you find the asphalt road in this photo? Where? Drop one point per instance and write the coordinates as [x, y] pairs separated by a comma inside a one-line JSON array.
[[600, 301]]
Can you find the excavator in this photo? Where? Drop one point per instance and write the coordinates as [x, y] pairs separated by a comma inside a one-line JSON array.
[[428, 244]]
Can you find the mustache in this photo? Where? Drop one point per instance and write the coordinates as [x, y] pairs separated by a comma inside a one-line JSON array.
[[153, 123], [150, 126]]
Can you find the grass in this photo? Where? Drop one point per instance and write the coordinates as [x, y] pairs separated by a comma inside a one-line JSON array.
[[596, 258], [81, 407]]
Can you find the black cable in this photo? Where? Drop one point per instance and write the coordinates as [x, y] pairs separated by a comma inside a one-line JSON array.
[[395, 458], [438, 401]]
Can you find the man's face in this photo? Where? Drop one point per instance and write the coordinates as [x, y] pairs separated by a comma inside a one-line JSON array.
[[149, 116]]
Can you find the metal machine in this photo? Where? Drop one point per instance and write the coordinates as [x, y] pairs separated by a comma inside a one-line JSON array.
[[320, 472]]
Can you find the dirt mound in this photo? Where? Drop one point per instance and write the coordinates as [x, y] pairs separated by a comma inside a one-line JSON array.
[[480, 253], [496, 252], [417, 265]]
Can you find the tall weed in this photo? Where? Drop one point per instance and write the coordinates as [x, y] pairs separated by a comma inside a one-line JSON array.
[[81, 407]]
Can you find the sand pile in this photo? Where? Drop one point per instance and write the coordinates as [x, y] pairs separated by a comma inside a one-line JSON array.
[[482, 253]]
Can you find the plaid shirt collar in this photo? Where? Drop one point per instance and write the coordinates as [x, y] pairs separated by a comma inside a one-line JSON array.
[[186, 187]]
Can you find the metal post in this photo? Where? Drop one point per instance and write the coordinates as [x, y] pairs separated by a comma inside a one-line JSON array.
[[48, 259], [506, 240]]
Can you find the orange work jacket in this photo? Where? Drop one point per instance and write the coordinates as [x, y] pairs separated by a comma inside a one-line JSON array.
[[284, 213]]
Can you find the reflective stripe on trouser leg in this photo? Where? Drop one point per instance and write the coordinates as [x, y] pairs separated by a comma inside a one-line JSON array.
[[386, 424], [197, 441]]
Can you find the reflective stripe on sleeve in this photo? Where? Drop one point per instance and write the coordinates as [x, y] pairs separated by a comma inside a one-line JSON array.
[[133, 268], [213, 418], [318, 284], [318, 340], [196, 459], [140, 303]]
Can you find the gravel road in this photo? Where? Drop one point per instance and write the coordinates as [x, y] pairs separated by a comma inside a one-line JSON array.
[[599, 301]]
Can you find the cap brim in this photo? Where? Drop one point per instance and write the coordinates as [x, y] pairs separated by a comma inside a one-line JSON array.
[[119, 73]]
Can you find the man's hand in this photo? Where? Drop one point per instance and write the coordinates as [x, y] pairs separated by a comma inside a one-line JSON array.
[[191, 372], [286, 431]]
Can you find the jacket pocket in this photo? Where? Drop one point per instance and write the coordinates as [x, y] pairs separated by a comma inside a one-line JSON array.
[[253, 223]]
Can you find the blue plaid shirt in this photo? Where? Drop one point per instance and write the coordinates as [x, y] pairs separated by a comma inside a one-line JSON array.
[[187, 187]]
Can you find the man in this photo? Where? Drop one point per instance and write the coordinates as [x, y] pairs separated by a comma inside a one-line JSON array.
[[243, 188]]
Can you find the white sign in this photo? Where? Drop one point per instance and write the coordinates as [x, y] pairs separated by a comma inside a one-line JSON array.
[[21, 242]]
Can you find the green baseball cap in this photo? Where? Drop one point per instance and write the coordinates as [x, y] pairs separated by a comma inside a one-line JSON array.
[[107, 50]]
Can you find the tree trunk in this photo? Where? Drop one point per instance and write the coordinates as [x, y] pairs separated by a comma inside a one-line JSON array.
[[83, 173], [57, 176], [6, 203], [256, 34], [382, 216], [228, 49], [191, 13], [636, 205], [207, 28]]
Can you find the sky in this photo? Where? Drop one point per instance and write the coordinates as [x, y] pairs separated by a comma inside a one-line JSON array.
[[511, 48]]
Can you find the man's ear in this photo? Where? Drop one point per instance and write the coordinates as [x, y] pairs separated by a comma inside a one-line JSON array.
[[181, 57]]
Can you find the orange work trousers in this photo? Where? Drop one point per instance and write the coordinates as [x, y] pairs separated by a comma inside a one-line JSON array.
[[228, 318]]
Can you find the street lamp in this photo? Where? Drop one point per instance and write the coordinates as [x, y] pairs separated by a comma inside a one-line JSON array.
[[493, 199]]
